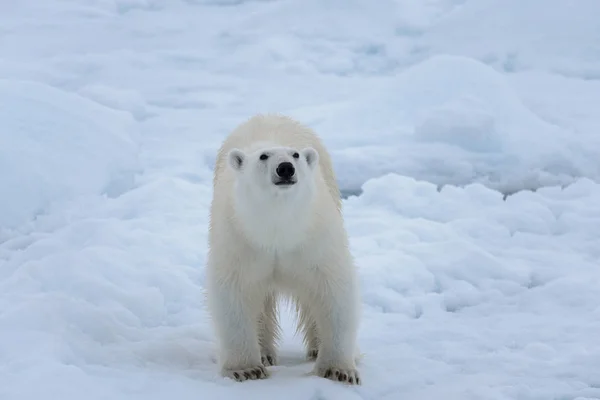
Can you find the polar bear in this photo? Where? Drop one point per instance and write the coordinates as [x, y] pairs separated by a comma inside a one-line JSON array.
[[276, 231]]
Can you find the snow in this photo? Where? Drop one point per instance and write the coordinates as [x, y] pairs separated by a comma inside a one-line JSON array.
[[468, 130], [455, 120], [56, 145]]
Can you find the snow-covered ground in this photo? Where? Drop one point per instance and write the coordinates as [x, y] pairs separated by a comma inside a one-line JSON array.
[[110, 115]]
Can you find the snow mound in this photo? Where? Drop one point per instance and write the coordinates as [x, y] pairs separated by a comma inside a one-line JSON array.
[[111, 282], [453, 120], [522, 35], [118, 99], [462, 284], [55, 146]]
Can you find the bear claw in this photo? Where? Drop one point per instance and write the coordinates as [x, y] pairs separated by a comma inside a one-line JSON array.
[[244, 374], [350, 376], [268, 360]]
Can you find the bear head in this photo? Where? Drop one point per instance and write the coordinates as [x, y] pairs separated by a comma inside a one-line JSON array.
[[275, 170]]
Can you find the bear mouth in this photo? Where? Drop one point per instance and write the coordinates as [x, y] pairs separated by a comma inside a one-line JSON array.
[[285, 182]]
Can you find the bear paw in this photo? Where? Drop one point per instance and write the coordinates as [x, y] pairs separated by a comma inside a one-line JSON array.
[[346, 375], [244, 374], [312, 354], [268, 359]]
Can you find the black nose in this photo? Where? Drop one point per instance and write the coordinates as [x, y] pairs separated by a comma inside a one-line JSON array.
[[285, 170]]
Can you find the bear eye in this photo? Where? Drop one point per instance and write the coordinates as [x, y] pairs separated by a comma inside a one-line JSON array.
[[296, 155], [263, 156]]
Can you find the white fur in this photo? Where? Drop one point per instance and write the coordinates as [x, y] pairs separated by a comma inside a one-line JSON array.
[[268, 242]]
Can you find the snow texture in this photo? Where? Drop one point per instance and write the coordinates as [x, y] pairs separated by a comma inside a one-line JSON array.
[[57, 145], [465, 131]]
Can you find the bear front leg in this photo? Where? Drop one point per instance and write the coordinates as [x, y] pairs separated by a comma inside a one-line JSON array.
[[336, 313], [234, 316]]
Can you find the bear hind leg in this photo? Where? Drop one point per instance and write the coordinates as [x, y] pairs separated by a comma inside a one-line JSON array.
[[268, 331], [308, 327]]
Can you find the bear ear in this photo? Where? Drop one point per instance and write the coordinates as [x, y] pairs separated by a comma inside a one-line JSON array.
[[236, 158], [312, 157]]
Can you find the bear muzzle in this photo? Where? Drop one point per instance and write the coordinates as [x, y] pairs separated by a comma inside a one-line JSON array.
[[286, 173]]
